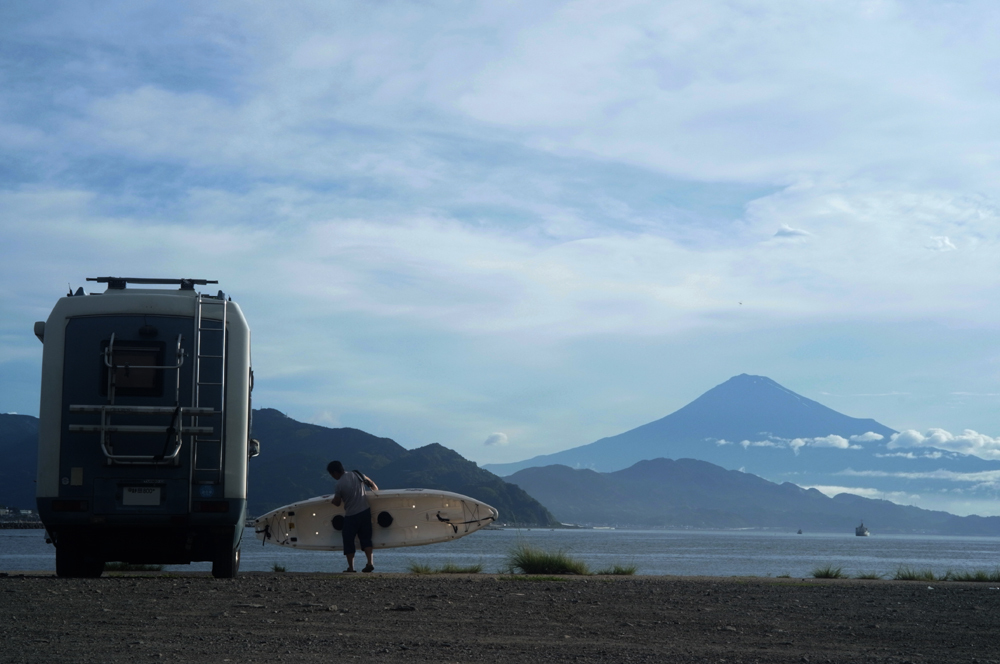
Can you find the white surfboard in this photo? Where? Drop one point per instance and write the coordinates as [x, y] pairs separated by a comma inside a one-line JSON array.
[[400, 517]]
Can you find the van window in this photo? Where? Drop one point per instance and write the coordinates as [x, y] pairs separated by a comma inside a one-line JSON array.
[[131, 379]]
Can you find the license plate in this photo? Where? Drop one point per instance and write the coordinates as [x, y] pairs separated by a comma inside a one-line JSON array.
[[141, 495]]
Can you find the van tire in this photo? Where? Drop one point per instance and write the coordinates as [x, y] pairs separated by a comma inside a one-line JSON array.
[[72, 563], [227, 564]]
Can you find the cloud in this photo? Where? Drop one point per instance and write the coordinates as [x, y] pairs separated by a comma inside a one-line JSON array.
[[878, 394], [760, 443], [868, 437], [788, 231], [516, 188], [898, 497], [910, 455], [941, 243], [498, 439], [796, 444], [985, 478], [833, 440], [968, 442]]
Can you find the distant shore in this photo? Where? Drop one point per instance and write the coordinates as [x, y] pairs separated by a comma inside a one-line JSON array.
[[266, 617], [20, 525]]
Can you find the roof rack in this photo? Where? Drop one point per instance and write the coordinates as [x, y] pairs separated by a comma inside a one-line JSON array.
[[118, 283]]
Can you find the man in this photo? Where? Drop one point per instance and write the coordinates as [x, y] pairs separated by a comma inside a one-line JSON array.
[[357, 514]]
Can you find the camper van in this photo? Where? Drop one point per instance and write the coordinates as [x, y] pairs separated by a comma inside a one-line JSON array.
[[143, 438]]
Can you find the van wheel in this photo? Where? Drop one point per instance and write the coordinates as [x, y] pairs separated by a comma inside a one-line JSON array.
[[227, 564], [72, 563]]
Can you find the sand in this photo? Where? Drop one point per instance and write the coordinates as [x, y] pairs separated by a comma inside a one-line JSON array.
[[264, 617]]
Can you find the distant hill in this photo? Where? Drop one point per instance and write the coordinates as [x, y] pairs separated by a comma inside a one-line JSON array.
[[697, 494], [294, 455], [19, 454], [292, 466]]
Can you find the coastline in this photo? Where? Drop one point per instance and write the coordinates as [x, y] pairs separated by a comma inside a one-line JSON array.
[[485, 618]]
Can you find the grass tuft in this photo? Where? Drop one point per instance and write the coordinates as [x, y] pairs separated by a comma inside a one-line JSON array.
[[618, 570], [527, 559], [907, 573], [828, 572], [278, 568], [975, 575], [868, 575], [447, 568], [131, 567], [452, 568]]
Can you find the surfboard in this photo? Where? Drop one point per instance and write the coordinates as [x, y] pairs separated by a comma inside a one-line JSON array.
[[400, 517]]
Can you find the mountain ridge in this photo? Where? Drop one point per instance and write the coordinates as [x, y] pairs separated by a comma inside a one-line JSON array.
[[689, 493], [292, 466]]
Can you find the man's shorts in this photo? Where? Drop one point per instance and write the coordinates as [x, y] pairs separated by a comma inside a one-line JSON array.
[[357, 525]]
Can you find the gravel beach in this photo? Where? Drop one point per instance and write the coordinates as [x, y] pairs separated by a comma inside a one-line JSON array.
[[264, 617]]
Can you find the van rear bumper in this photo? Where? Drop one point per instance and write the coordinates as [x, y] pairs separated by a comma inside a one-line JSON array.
[[153, 539]]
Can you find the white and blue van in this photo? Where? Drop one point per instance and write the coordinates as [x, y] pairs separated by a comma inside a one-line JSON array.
[[144, 431]]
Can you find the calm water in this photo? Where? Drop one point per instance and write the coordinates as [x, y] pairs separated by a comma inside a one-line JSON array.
[[709, 553]]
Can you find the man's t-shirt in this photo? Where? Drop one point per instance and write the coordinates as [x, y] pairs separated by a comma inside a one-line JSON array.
[[351, 490]]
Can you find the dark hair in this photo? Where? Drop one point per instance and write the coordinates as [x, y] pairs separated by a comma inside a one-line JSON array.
[[334, 467]]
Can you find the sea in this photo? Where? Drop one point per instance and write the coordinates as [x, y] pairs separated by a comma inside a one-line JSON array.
[[652, 552]]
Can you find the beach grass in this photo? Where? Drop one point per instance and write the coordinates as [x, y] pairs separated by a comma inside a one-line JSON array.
[[131, 567], [868, 575], [452, 568], [981, 576], [618, 570], [528, 559], [907, 573], [447, 568], [278, 568], [828, 572]]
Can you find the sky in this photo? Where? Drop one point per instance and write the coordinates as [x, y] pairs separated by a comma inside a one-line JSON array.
[[517, 227]]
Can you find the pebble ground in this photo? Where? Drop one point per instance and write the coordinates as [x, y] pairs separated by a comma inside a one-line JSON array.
[[291, 617]]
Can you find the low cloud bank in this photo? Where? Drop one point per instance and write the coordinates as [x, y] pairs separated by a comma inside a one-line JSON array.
[[795, 444], [968, 442]]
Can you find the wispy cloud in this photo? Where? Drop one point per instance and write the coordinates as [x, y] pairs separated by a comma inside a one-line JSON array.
[[898, 497], [986, 477], [941, 243], [875, 394], [796, 444], [788, 231]]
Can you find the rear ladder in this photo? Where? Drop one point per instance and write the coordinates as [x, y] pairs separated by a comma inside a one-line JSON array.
[[208, 391]]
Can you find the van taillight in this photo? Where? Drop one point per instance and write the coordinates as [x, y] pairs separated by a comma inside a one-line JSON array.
[[70, 506], [210, 506]]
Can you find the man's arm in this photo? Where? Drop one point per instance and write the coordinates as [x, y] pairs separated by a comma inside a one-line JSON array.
[[370, 482], [337, 501]]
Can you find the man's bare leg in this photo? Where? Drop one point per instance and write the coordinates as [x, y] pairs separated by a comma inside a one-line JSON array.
[[371, 564], [350, 562]]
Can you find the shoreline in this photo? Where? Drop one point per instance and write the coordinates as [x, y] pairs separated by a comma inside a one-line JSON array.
[[308, 617]]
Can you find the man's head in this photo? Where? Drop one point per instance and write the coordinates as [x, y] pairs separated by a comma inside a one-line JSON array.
[[336, 469]]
